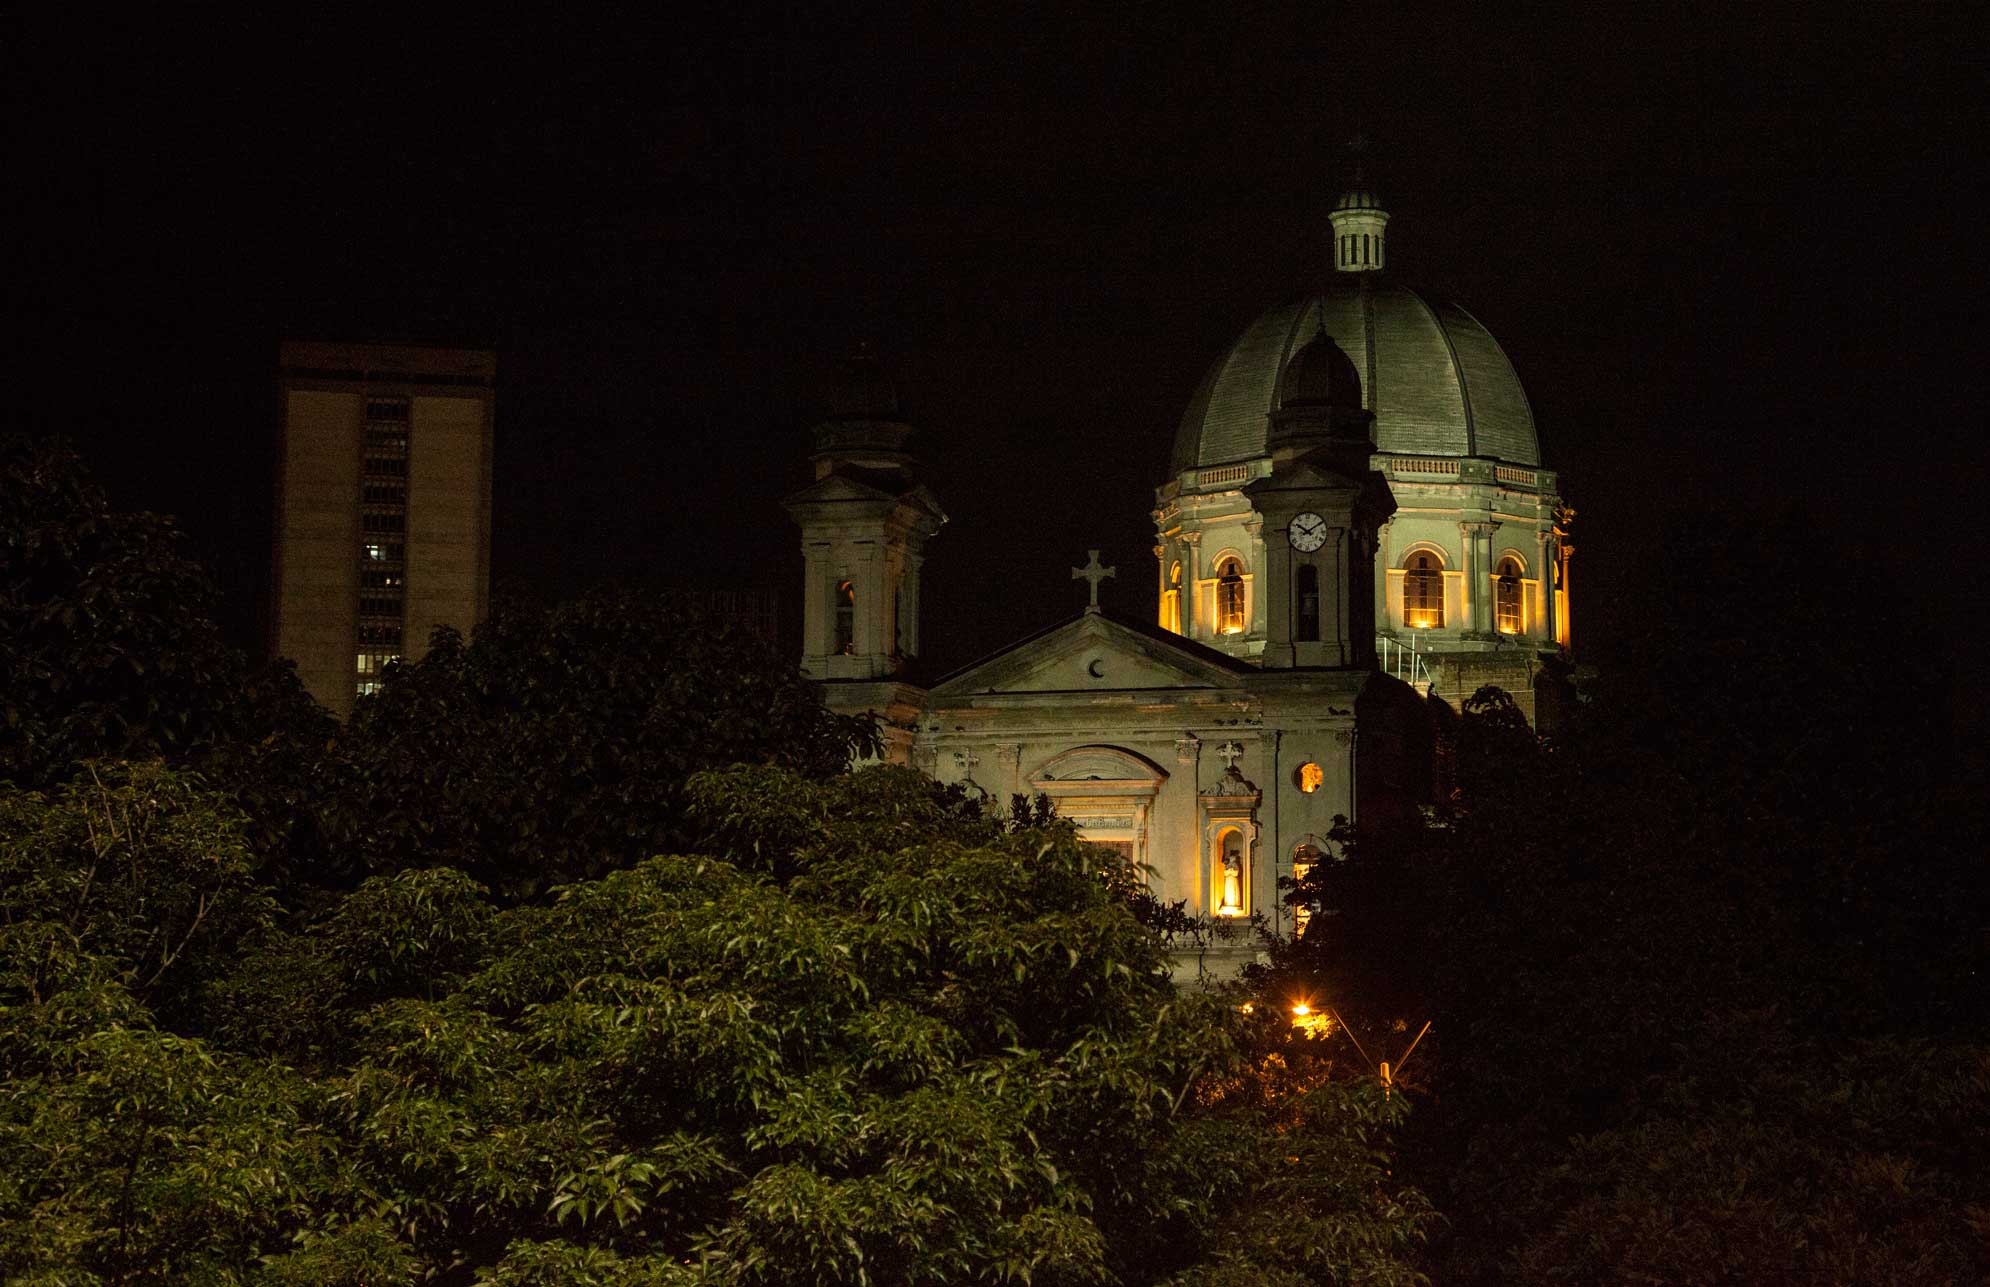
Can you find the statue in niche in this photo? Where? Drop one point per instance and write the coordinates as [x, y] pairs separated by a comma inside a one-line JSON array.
[[1232, 903]]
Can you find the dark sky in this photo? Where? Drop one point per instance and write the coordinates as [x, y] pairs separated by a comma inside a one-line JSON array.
[[1735, 255]]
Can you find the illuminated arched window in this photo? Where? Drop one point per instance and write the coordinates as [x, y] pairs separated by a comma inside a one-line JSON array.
[[1423, 592], [1303, 858], [1506, 597], [846, 617], [1230, 597], [1306, 625], [1171, 599]]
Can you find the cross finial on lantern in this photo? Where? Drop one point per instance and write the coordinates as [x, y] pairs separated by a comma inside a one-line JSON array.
[[1094, 573]]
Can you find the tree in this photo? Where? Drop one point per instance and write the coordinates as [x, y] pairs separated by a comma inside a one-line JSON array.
[[554, 744], [1668, 952], [108, 650], [868, 1035]]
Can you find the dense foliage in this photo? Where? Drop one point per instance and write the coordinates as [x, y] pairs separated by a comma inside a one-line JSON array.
[[555, 745], [1706, 969], [108, 645], [870, 1036]]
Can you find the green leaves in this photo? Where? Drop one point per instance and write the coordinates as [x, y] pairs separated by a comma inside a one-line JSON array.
[[884, 1040], [554, 746], [108, 647]]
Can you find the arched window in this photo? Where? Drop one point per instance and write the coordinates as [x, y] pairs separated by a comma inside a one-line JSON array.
[[1423, 592], [1303, 858], [846, 617], [1171, 599], [1230, 880], [1506, 597], [1306, 626], [1230, 597]]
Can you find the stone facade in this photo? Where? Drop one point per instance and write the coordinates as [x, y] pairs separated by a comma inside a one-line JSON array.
[[1358, 524]]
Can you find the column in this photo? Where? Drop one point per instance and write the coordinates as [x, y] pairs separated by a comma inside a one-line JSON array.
[[1009, 758], [1384, 557], [1186, 810], [1545, 574], [913, 563], [1274, 584], [1191, 573], [871, 590], [1260, 587], [1475, 542]]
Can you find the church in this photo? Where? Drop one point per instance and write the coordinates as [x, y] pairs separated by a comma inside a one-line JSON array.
[[1355, 523]]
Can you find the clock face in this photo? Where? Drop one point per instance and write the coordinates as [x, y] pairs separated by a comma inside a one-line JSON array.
[[1308, 532]]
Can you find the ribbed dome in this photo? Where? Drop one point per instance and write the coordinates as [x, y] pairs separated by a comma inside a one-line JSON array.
[[1436, 380]]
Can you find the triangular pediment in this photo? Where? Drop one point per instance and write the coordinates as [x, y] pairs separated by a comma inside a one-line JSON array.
[[833, 488], [1094, 653], [1302, 476], [840, 489]]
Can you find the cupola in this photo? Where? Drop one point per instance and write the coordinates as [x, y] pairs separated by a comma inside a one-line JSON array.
[[1359, 220], [862, 423]]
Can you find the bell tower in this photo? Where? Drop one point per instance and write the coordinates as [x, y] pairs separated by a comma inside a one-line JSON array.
[[1320, 506], [864, 521]]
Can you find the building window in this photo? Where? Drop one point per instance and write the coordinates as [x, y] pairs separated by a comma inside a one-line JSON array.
[[1303, 859], [1423, 592], [1506, 597], [1306, 629], [1171, 599], [846, 617], [383, 518], [1230, 597], [1231, 886], [1310, 777]]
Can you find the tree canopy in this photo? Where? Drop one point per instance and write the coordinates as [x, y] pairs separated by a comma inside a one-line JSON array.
[[868, 1036], [108, 646]]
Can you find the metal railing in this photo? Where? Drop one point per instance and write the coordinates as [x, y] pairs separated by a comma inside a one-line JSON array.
[[1402, 660]]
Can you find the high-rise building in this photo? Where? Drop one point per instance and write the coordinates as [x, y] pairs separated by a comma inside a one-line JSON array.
[[383, 521]]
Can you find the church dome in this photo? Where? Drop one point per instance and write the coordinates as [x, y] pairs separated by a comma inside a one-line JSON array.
[[1436, 381]]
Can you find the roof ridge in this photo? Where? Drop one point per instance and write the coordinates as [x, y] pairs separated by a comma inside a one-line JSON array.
[[1458, 368]]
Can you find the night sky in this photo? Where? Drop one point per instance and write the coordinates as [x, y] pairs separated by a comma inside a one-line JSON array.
[[1735, 256]]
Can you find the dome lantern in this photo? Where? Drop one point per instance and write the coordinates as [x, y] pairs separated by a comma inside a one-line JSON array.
[[1359, 220]]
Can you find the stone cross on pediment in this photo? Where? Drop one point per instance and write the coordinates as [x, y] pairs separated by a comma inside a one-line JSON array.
[[1094, 573], [1231, 753]]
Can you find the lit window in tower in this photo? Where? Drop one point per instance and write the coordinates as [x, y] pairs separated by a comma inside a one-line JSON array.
[[846, 617], [1306, 628], [1230, 597], [1507, 598]]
